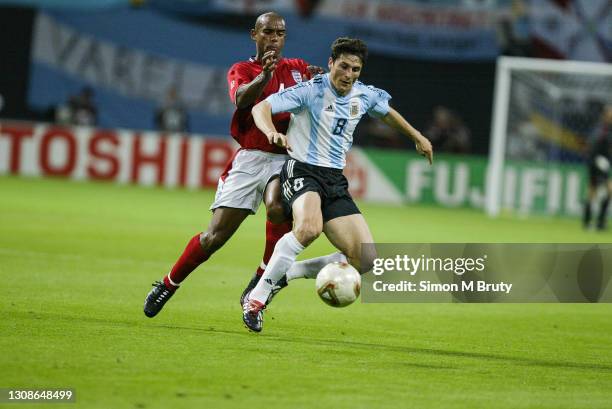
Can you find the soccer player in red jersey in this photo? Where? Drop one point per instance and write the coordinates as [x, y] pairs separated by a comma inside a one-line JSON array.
[[252, 175]]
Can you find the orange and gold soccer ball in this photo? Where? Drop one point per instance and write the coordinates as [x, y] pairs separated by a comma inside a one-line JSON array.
[[338, 284]]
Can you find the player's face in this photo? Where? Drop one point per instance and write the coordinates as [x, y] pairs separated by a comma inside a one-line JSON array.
[[269, 36], [344, 72]]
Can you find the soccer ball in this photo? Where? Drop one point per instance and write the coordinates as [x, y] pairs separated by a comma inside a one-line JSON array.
[[338, 284]]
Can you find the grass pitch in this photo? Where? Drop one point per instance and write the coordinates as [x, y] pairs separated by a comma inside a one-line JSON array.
[[77, 259]]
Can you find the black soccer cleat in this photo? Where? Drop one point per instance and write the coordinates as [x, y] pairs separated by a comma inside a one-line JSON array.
[[282, 283], [157, 298], [249, 287], [252, 314]]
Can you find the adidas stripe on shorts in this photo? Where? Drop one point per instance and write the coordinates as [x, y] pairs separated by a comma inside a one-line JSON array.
[[298, 178]]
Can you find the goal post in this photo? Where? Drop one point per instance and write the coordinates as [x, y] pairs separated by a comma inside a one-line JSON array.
[[533, 104]]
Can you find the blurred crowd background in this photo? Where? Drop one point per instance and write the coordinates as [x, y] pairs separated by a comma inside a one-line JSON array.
[[161, 64]]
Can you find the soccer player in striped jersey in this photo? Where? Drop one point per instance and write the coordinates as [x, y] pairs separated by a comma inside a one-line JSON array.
[[252, 175], [325, 112]]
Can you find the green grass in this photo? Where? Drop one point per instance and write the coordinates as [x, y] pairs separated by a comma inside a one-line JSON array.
[[77, 259]]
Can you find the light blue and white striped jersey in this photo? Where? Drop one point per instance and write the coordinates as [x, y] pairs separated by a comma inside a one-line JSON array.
[[322, 122]]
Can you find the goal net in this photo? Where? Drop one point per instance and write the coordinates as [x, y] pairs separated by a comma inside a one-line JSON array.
[[544, 114]]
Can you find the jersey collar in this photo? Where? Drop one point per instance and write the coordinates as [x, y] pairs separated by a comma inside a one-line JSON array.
[[342, 98]]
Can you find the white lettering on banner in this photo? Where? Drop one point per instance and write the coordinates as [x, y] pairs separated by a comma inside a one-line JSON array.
[[418, 177], [151, 158], [130, 72], [455, 193], [553, 193], [477, 197], [532, 188], [527, 190], [573, 195], [557, 193], [122, 156], [509, 194]]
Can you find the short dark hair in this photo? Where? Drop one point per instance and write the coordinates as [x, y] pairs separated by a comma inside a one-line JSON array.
[[269, 15], [346, 45]]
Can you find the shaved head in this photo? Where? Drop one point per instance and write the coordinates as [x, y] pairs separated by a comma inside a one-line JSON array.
[[264, 18], [269, 35]]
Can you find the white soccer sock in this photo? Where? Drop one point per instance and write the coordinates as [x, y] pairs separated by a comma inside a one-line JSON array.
[[310, 268], [285, 253]]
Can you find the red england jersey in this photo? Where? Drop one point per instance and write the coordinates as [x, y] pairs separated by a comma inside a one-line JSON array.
[[288, 72]]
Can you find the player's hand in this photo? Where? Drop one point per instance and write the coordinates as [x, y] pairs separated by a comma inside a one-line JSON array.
[[314, 70], [279, 139], [423, 147], [268, 61]]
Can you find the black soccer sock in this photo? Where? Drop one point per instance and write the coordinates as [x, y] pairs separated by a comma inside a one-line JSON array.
[[603, 212], [586, 216]]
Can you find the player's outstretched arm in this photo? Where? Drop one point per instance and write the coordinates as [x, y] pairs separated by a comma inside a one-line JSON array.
[[395, 120], [262, 115]]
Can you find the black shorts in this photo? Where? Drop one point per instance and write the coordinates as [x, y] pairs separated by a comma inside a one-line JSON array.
[[298, 178], [597, 176]]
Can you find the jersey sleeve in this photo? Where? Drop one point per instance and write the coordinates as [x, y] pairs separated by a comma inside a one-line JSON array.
[[379, 105], [238, 75], [292, 99]]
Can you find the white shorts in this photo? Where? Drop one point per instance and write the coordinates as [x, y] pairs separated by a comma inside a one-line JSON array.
[[244, 185]]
